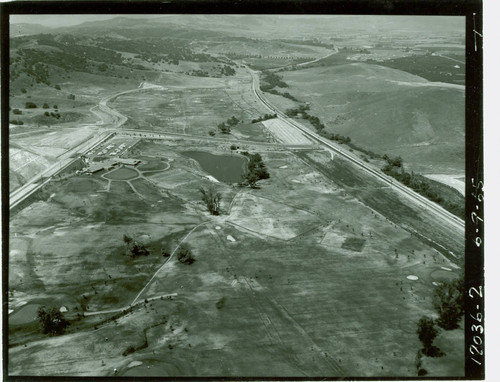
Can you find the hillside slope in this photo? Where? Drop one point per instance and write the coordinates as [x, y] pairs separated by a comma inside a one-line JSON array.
[[388, 111]]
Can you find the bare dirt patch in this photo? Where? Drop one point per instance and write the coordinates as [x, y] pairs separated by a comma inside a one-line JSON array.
[[269, 217]]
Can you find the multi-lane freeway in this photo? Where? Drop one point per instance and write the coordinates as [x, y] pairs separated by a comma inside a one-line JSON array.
[[439, 211]]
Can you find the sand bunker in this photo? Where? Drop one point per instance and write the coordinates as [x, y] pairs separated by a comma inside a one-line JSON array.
[[412, 277]]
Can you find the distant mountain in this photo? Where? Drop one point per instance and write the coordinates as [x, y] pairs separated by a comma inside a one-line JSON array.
[[24, 29], [257, 26]]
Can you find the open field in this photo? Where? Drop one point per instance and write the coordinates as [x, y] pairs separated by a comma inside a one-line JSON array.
[[191, 105]]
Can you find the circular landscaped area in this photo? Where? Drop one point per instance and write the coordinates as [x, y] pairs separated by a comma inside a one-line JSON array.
[[123, 173]]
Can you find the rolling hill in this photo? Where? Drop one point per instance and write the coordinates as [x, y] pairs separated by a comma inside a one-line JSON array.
[[388, 111]]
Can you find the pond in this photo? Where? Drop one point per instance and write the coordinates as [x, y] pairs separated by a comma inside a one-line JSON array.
[[225, 168]]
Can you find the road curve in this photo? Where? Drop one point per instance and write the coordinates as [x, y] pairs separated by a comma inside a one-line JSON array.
[[439, 211], [107, 116]]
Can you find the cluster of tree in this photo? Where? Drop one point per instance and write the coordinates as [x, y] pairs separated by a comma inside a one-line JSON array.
[[432, 190], [134, 248], [264, 118], [16, 122], [52, 114], [448, 300], [52, 321], [226, 70], [285, 94], [256, 170], [211, 198], [185, 255], [316, 122], [225, 127], [427, 332], [30, 105], [432, 68], [154, 48], [17, 111], [272, 80]]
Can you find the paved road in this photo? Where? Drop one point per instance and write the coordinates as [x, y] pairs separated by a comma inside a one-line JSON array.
[[438, 211], [109, 118], [35, 183]]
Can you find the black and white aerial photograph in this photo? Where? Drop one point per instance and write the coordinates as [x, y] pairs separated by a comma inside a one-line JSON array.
[[237, 195]]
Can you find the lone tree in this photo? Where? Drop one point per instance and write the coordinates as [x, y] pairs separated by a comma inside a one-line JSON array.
[[448, 300], [51, 321], [426, 334], [211, 199], [184, 254]]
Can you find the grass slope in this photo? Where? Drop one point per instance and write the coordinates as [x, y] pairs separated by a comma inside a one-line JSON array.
[[388, 111]]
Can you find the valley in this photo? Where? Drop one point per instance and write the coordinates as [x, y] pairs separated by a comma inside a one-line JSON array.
[[311, 261]]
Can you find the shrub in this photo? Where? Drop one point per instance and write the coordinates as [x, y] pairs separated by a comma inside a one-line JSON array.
[[17, 111], [138, 249], [224, 129], [219, 304], [211, 133], [184, 254], [58, 87], [129, 350], [46, 105], [233, 147], [30, 105]]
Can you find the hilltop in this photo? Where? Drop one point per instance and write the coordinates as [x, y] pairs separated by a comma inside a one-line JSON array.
[[388, 111]]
